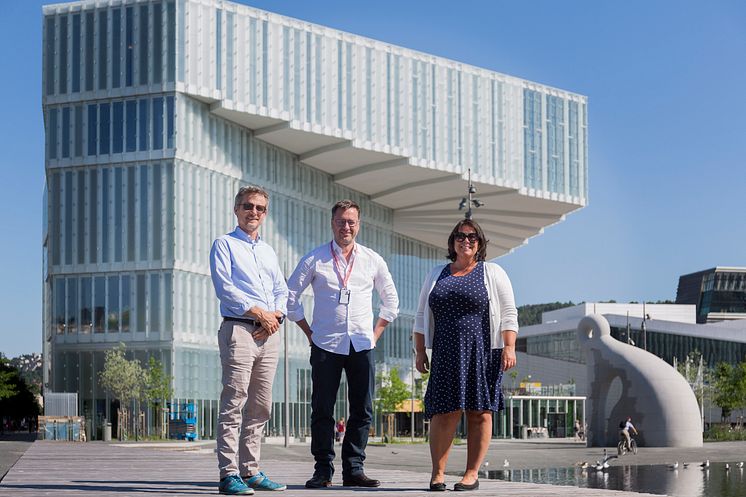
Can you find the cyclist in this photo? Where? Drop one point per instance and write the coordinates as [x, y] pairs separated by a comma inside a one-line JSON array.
[[624, 427]]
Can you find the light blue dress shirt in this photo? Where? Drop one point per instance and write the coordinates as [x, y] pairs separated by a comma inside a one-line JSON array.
[[246, 273]]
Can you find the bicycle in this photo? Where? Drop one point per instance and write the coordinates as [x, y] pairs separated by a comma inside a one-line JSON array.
[[622, 446]]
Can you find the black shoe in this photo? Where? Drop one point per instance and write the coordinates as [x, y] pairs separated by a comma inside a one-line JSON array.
[[360, 480], [437, 487], [319, 481], [461, 487]]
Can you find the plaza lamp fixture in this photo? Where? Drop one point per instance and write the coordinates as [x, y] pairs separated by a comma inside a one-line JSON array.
[[469, 201]]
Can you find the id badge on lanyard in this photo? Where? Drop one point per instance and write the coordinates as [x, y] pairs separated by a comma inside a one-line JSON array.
[[344, 296], [344, 292]]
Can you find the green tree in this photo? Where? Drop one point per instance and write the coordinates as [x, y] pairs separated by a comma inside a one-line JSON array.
[[17, 400], [531, 313], [392, 392], [157, 387], [730, 387], [124, 379]]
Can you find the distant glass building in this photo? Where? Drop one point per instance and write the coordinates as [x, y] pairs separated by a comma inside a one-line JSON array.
[[156, 112], [719, 293]]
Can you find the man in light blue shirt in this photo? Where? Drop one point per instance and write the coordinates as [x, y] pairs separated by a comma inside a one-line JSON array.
[[253, 297]]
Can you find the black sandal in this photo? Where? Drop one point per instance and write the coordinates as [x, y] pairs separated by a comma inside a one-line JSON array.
[[461, 487], [437, 487]]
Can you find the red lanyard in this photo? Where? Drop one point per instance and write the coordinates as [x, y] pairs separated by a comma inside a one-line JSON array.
[[347, 273]]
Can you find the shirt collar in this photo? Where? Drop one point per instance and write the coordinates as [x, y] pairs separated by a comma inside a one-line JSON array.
[[242, 235], [338, 249]]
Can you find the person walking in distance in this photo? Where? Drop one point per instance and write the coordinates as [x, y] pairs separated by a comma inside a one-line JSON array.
[[253, 297], [343, 275]]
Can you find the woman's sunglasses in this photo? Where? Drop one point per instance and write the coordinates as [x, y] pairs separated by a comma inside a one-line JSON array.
[[460, 236]]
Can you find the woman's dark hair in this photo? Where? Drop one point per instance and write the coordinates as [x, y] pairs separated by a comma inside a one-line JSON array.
[[482, 242]]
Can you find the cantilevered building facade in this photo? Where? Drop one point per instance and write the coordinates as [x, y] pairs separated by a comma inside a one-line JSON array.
[[157, 111]]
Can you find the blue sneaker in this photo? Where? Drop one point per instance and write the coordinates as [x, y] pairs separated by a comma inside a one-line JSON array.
[[262, 482], [234, 485]]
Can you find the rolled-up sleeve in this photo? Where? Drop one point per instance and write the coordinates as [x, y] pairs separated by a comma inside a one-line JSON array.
[[298, 282], [220, 271], [384, 285], [508, 311]]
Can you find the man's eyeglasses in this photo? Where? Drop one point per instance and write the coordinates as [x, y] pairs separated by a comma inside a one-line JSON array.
[[341, 223], [460, 236], [248, 206]]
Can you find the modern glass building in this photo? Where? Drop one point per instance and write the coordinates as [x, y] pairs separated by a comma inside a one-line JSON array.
[[157, 111], [719, 293]]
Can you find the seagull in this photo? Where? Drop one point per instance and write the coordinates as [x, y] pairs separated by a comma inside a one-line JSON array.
[[506, 463], [727, 467], [686, 465], [705, 464], [739, 464], [599, 466], [674, 465], [584, 464], [394, 452]]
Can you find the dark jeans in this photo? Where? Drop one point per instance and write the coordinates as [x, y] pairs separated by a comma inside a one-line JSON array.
[[326, 372]]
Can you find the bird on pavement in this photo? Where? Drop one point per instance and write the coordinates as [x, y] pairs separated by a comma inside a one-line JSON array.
[[705, 464], [674, 465], [727, 467], [506, 463], [739, 464]]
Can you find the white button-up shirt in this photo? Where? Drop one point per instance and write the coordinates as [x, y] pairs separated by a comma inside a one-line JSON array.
[[246, 273], [335, 325]]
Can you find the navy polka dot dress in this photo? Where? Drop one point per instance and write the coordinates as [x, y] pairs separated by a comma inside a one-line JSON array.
[[465, 371]]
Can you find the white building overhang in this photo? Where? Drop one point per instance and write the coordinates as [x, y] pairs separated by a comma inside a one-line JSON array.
[[423, 196]]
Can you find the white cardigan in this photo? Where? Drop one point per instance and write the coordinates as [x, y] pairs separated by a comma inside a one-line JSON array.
[[503, 314]]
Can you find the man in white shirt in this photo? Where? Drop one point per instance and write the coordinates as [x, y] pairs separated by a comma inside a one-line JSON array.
[[343, 275], [252, 293]]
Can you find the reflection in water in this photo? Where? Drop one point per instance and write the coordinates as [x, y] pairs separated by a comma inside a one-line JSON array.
[[691, 481]]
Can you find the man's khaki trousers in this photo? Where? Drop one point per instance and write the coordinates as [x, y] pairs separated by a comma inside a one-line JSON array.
[[246, 400]]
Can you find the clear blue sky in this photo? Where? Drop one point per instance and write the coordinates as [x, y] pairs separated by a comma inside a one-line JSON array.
[[666, 82]]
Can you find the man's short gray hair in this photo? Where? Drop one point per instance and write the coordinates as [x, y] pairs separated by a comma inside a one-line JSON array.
[[250, 190], [344, 205]]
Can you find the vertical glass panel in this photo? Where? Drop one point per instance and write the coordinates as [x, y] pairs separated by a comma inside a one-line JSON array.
[[158, 123], [140, 302], [59, 305], [157, 43], [144, 48], [157, 212], [76, 54], [52, 132], [265, 63], [168, 212], [118, 215], [126, 309], [229, 55], [155, 307], [117, 133], [182, 27], [65, 132], [63, 66], [49, 69], [93, 203], [54, 216], [78, 141], [144, 213], [103, 48], [170, 42], [170, 122], [129, 38], [92, 128], [81, 216], [116, 48], [143, 118], [86, 314], [112, 308], [99, 304], [104, 123], [218, 48], [131, 141], [72, 305], [68, 226], [89, 51], [167, 303], [105, 208], [131, 213]]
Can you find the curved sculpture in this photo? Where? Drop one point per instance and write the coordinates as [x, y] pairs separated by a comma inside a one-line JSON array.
[[628, 381]]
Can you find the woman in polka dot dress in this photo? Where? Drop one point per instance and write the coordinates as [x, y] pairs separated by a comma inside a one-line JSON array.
[[467, 316]]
